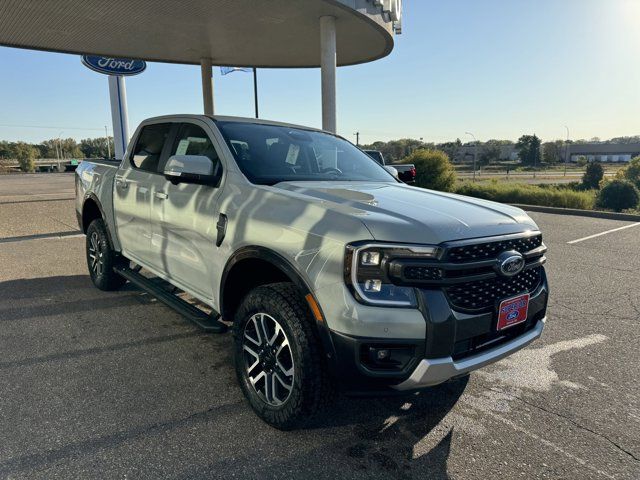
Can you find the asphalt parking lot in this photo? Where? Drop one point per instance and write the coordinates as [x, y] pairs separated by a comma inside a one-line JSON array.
[[115, 385]]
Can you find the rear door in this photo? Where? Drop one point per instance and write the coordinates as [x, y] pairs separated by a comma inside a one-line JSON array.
[[132, 191], [184, 216]]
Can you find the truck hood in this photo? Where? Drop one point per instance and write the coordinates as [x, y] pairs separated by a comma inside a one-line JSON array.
[[400, 213]]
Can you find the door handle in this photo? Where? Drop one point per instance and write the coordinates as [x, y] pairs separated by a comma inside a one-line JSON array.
[[161, 196]]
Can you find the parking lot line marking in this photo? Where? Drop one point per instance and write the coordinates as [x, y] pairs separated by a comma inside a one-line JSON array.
[[550, 444], [603, 233]]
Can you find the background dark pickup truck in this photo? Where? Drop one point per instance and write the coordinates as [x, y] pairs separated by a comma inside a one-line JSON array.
[[406, 171]]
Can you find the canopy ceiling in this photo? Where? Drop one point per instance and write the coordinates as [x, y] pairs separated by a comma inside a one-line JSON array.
[[261, 33]]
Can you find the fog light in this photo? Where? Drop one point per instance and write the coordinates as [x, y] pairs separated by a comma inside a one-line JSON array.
[[382, 354], [370, 258], [372, 285]]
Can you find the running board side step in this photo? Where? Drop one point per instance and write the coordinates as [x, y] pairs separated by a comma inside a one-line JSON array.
[[209, 323]]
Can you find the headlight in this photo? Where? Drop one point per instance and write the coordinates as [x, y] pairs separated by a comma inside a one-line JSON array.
[[367, 268]]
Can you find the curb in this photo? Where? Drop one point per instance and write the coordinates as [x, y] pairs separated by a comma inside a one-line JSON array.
[[582, 213]]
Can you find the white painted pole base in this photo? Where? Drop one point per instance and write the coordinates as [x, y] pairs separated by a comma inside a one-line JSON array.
[[207, 85], [119, 115], [328, 72]]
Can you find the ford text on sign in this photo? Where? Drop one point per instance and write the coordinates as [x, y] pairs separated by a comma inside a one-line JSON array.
[[114, 66]]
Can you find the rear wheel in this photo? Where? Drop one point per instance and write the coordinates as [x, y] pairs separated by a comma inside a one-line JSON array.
[[101, 258], [278, 359]]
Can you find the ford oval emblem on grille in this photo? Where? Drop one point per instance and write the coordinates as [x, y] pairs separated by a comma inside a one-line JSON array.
[[510, 263]]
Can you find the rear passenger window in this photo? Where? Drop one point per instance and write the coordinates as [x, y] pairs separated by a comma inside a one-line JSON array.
[[146, 154]]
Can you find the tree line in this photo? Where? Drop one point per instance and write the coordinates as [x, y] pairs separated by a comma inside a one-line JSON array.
[[530, 149], [58, 148]]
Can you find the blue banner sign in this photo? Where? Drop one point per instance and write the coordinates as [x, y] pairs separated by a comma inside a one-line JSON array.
[[114, 66]]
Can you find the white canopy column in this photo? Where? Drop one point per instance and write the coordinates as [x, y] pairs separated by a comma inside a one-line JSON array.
[[119, 114], [207, 85], [328, 65]]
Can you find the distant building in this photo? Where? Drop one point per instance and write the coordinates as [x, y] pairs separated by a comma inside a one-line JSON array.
[[592, 152], [466, 152], [602, 152]]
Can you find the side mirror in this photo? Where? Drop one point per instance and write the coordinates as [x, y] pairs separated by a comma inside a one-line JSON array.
[[197, 169], [392, 171]]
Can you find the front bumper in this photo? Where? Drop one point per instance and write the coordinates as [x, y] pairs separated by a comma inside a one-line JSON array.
[[434, 371], [454, 344]]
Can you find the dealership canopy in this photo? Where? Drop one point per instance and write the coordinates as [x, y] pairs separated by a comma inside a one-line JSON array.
[[273, 33]]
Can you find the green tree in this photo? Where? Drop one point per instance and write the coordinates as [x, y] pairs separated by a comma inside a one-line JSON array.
[[26, 155], [96, 147], [618, 195], [552, 152], [490, 153], [69, 148], [396, 150], [632, 171], [593, 175], [528, 148], [433, 169], [50, 148], [6, 150], [450, 148]]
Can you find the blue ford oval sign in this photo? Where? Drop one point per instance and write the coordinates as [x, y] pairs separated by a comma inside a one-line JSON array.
[[114, 66]]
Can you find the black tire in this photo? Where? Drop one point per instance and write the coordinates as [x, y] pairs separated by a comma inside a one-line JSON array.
[[311, 388], [101, 258]]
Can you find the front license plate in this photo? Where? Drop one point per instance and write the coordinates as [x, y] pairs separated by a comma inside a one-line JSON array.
[[513, 311]]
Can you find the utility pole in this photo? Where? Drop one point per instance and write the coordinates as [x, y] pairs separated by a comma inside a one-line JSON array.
[[475, 155], [106, 136], [61, 155], [357, 134], [566, 152], [535, 160]]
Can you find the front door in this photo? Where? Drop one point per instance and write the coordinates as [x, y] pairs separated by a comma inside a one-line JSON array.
[[184, 218], [132, 192]]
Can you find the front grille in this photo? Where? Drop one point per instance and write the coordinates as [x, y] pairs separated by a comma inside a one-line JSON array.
[[485, 251], [418, 273], [484, 294]]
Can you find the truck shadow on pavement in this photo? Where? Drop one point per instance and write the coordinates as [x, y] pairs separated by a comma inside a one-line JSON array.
[[396, 435], [393, 436]]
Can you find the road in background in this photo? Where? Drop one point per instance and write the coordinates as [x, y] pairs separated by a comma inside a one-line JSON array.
[[108, 385]]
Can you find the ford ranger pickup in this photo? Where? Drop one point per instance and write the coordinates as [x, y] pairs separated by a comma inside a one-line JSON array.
[[332, 274]]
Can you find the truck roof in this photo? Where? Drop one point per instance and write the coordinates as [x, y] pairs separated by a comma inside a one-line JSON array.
[[226, 118]]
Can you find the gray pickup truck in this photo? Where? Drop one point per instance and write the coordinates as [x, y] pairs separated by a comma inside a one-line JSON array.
[[331, 273]]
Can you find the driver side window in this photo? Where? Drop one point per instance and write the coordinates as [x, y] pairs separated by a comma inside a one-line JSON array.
[[193, 140]]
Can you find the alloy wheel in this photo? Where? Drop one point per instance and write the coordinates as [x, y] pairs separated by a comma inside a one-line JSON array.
[[96, 255], [268, 359]]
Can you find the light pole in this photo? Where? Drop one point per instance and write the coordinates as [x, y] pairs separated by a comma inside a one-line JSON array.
[[61, 155], [475, 155], [566, 152], [357, 134]]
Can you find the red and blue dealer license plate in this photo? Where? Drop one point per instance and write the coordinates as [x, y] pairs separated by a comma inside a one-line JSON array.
[[513, 311]]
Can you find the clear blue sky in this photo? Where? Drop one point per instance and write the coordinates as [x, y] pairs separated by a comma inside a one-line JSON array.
[[497, 68]]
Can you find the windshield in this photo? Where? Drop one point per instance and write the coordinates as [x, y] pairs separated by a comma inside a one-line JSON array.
[[268, 154]]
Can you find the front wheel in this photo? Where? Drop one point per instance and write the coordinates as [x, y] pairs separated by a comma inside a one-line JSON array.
[[278, 358], [101, 258]]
